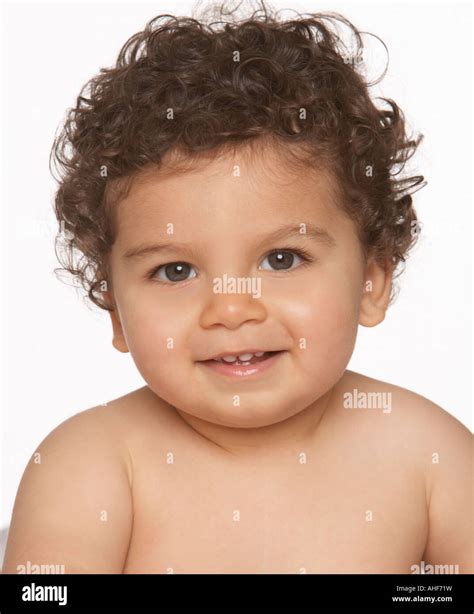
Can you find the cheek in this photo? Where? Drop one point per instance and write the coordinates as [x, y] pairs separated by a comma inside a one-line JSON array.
[[156, 336], [323, 323]]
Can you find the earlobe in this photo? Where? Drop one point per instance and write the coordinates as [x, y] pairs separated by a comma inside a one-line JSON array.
[[376, 294], [118, 340]]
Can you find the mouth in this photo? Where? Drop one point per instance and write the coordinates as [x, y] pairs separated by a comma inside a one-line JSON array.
[[243, 364]]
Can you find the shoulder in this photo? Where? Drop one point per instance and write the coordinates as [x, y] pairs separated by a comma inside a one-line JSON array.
[[96, 431], [426, 438], [405, 407], [74, 501], [134, 416], [407, 424], [139, 423]]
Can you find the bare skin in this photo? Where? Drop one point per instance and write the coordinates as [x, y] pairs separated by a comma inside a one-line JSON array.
[[210, 511], [175, 478]]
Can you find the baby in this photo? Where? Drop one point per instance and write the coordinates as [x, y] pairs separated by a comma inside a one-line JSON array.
[[230, 196]]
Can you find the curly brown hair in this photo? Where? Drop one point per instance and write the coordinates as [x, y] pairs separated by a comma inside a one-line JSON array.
[[190, 86]]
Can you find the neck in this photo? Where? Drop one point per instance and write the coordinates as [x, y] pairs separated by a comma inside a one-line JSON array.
[[279, 438]]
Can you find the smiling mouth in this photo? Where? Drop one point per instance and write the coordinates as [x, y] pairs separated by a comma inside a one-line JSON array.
[[243, 359], [235, 367]]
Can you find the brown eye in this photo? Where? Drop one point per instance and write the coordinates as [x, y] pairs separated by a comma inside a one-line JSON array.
[[175, 271], [281, 260]]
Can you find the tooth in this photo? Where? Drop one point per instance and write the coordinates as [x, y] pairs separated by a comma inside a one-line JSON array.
[[244, 357], [259, 353], [229, 358]]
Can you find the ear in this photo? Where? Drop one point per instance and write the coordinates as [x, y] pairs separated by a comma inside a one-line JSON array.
[[118, 340], [376, 293]]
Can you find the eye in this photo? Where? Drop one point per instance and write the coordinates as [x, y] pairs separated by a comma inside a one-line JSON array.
[[281, 259], [173, 272]]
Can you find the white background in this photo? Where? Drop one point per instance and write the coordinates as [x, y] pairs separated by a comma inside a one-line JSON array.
[[57, 354]]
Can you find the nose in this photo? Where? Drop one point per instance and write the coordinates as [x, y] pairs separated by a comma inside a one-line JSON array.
[[232, 310]]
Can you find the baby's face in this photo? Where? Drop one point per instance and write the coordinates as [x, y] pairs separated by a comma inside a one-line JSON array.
[[249, 259]]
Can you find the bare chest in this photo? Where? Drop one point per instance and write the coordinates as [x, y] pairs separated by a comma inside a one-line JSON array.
[[194, 513]]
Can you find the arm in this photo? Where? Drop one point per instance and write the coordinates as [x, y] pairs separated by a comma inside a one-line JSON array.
[[450, 538], [74, 507]]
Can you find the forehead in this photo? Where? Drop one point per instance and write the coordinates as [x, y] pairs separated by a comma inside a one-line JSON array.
[[234, 192]]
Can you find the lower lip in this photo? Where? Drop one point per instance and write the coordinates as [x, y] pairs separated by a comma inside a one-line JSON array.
[[242, 371]]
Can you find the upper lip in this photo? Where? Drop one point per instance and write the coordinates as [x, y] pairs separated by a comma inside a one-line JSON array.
[[239, 353]]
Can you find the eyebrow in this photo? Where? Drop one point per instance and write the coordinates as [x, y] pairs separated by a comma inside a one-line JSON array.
[[313, 232]]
